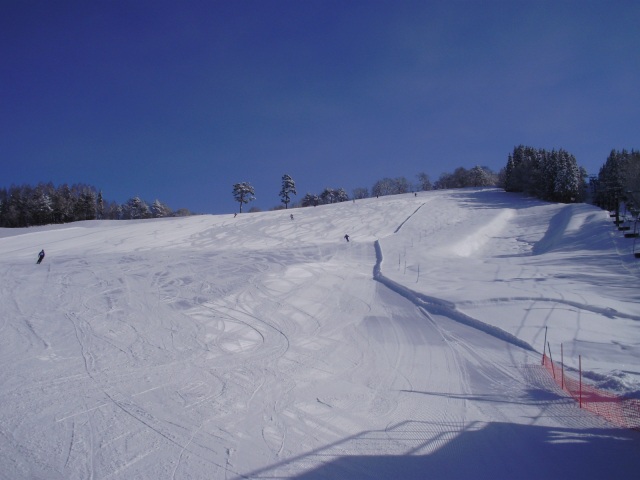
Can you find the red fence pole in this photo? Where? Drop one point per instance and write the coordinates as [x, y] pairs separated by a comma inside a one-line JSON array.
[[562, 366], [553, 369], [580, 368]]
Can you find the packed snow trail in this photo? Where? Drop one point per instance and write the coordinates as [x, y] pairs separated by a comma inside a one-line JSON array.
[[260, 347]]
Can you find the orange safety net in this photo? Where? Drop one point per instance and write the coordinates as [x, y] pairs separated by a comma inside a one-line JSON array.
[[621, 411]]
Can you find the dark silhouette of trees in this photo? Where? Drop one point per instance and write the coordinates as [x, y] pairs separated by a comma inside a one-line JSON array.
[[25, 206], [618, 180], [554, 176]]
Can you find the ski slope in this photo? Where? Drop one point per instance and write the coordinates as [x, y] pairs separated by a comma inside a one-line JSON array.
[[214, 347]]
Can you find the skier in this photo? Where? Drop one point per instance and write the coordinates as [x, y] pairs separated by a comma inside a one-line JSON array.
[[292, 216], [40, 256], [346, 237]]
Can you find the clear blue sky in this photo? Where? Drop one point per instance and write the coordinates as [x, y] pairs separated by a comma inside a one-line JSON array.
[[179, 100]]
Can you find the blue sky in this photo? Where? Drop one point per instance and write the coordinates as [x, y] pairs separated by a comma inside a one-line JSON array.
[[180, 100]]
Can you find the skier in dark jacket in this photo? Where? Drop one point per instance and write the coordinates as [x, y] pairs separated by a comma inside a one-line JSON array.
[[40, 256], [346, 237]]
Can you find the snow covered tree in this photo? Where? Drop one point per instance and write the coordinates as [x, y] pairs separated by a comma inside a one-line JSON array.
[[243, 192], [63, 204], [85, 208], [341, 195], [113, 211], [567, 182], [360, 192], [401, 185], [310, 200], [615, 178], [135, 208], [159, 209], [288, 189], [40, 206], [424, 182], [383, 187], [480, 177], [553, 176], [328, 195], [523, 170]]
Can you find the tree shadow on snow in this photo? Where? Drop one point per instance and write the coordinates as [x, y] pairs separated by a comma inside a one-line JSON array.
[[459, 449], [479, 451], [501, 451]]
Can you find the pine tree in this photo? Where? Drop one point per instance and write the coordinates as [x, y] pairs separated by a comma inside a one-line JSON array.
[[341, 195], [288, 189], [135, 208], [100, 206], [328, 195], [310, 200], [243, 192], [159, 209], [86, 204]]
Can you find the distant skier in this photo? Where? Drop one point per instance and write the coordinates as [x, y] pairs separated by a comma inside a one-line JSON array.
[[292, 216], [40, 256], [346, 237]]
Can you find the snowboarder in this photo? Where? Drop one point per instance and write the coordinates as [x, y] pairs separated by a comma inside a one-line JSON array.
[[346, 237], [40, 256]]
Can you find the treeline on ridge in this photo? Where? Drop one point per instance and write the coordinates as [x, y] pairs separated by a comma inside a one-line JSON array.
[[460, 178], [549, 175], [24, 206]]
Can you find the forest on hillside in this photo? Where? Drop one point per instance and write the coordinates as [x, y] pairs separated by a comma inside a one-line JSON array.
[[549, 175]]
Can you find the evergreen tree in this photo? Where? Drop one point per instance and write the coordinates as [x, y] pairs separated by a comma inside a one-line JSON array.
[[341, 195], [616, 178], [243, 192], [65, 205], [509, 175], [328, 195], [288, 189], [310, 200], [159, 209], [40, 206], [553, 176], [100, 206], [135, 209], [86, 204]]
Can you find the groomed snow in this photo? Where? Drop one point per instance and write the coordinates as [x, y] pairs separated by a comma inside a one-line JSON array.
[[263, 347]]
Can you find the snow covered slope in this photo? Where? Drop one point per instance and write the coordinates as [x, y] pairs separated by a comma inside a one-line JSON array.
[[265, 347]]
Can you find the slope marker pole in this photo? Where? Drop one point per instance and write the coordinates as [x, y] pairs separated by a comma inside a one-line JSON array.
[[580, 368], [562, 366], [553, 369]]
